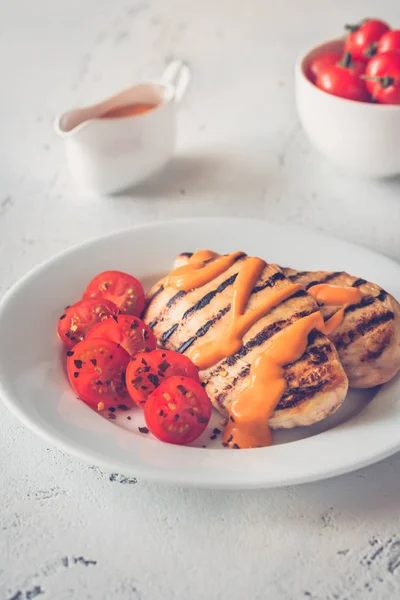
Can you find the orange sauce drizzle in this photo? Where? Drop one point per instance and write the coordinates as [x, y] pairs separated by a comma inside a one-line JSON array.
[[334, 295], [209, 353], [130, 110], [197, 272], [250, 412]]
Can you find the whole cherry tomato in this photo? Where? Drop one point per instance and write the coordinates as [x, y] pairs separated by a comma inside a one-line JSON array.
[[382, 77], [389, 41], [362, 38], [343, 80], [322, 61]]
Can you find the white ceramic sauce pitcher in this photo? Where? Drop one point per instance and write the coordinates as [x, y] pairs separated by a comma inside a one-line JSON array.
[[108, 155]]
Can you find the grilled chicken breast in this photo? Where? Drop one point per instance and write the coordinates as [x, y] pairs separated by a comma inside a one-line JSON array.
[[316, 384], [368, 339]]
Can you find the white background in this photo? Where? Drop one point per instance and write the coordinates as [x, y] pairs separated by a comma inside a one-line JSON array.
[[68, 530]]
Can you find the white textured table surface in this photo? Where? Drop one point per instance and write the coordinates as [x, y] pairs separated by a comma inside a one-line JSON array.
[[68, 530]]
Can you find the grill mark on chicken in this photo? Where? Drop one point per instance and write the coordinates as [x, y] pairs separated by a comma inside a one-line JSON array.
[[155, 294], [365, 301], [153, 324], [297, 275], [297, 395], [186, 254], [205, 300], [325, 279], [270, 282], [167, 334], [359, 282], [203, 329], [382, 295], [175, 298], [344, 340]]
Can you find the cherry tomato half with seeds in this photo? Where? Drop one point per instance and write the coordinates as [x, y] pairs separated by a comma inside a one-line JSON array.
[[76, 321], [96, 369], [344, 82], [320, 62], [128, 331], [178, 411], [121, 288], [383, 77], [147, 370], [389, 41], [362, 39]]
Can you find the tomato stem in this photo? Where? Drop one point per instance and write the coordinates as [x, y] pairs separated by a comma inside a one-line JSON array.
[[346, 61], [352, 28], [384, 82], [371, 50]]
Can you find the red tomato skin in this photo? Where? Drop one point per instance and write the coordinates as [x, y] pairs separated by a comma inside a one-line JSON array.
[[127, 330], [178, 411], [147, 370], [359, 42], [320, 62], [96, 370], [389, 41], [121, 288], [386, 65], [344, 83], [71, 325]]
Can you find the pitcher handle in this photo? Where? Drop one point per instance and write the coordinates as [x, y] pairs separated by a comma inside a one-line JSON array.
[[177, 73]]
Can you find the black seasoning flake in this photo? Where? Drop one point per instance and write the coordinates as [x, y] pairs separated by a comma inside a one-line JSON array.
[[146, 369], [98, 382], [93, 361], [78, 363], [213, 437], [115, 318], [108, 382], [118, 345], [76, 374], [63, 317], [144, 362], [143, 387], [216, 430], [153, 379], [232, 419], [111, 416], [112, 409], [122, 407], [134, 325], [176, 417], [230, 438], [67, 307], [146, 334], [143, 430], [236, 447], [225, 445], [182, 389], [70, 353], [129, 418], [203, 446], [201, 419], [163, 355], [163, 366], [111, 357], [161, 413], [191, 412]]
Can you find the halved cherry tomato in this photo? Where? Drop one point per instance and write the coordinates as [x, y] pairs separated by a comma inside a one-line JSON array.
[[389, 41], [147, 370], [361, 41], [96, 369], [383, 77], [343, 80], [178, 411], [122, 289], [322, 61], [77, 319], [128, 331]]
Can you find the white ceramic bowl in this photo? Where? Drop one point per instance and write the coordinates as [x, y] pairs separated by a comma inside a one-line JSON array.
[[362, 137]]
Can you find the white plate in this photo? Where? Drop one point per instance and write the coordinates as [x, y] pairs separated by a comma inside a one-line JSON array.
[[34, 386]]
